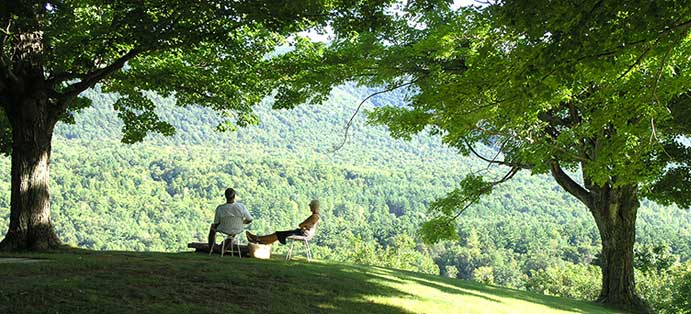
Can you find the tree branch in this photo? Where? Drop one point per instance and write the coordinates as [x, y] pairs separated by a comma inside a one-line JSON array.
[[357, 110], [95, 76], [490, 161], [5, 65], [624, 46], [472, 199], [60, 77], [668, 31], [638, 61], [568, 184]]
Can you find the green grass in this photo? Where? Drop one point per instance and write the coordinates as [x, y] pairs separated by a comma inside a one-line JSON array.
[[78, 281]]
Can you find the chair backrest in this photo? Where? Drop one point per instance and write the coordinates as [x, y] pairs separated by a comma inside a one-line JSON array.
[[231, 225], [309, 234]]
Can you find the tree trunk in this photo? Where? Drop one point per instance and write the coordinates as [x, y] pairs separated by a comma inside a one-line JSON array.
[[614, 210], [33, 121]]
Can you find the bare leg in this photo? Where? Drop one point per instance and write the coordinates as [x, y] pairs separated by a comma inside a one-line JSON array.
[[271, 238], [265, 239]]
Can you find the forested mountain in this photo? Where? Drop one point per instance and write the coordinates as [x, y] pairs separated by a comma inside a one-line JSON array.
[[160, 194]]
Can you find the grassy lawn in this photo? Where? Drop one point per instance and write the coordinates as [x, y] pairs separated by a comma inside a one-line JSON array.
[[78, 281]]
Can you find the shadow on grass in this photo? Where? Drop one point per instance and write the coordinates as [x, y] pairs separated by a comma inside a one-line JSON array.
[[82, 281], [79, 281]]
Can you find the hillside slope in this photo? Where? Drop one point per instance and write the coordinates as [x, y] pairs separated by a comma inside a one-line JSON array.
[[114, 282]]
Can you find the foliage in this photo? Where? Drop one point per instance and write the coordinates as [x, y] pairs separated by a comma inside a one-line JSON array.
[[450, 271], [660, 279], [576, 281], [654, 258], [400, 253], [484, 274], [667, 290]]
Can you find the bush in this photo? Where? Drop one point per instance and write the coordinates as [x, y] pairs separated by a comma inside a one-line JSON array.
[[484, 274], [450, 271], [576, 281], [668, 291]]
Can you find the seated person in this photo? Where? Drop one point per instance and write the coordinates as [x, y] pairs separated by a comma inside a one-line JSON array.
[[230, 209], [281, 236]]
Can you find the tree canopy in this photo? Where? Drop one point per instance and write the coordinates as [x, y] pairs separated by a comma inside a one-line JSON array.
[[207, 53], [596, 87]]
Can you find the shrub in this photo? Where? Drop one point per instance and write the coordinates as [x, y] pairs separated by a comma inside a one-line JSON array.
[[668, 291], [484, 274], [578, 281]]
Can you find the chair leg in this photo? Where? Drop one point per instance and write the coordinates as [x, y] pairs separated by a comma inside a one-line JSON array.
[[310, 249], [231, 245], [211, 249], [223, 247], [307, 251], [290, 251], [237, 243]]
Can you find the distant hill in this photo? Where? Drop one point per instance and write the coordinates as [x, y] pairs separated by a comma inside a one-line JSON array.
[[308, 130]]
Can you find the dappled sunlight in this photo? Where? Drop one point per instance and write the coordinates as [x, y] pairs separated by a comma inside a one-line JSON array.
[[419, 293], [161, 281]]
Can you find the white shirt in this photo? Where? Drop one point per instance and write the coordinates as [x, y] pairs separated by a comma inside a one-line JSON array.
[[231, 217]]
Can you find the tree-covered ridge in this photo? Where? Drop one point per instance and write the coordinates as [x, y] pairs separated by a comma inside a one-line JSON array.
[[307, 130]]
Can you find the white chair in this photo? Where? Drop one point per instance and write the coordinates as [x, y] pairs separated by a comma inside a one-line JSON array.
[[309, 234], [230, 227]]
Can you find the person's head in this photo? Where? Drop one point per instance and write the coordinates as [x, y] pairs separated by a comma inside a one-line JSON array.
[[230, 195], [314, 206]]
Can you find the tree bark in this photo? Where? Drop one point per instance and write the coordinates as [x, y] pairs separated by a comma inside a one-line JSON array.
[[33, 120], [614, 210]]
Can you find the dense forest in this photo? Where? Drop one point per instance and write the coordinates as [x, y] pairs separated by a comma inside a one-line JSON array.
[[160, 194]]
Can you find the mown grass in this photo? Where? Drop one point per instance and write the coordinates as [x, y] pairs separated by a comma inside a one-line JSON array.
[[78, 281]]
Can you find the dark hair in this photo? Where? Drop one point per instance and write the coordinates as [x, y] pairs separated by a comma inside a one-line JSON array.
[[230, 194]]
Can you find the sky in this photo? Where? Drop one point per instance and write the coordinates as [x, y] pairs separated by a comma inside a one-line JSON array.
[[314, 36], [464, 3]]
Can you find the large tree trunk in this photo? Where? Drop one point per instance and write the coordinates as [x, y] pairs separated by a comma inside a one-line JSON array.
[[32, 114], [614, 210], [33, 121]]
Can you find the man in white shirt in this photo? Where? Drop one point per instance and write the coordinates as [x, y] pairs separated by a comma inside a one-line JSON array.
[[223, 219]]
